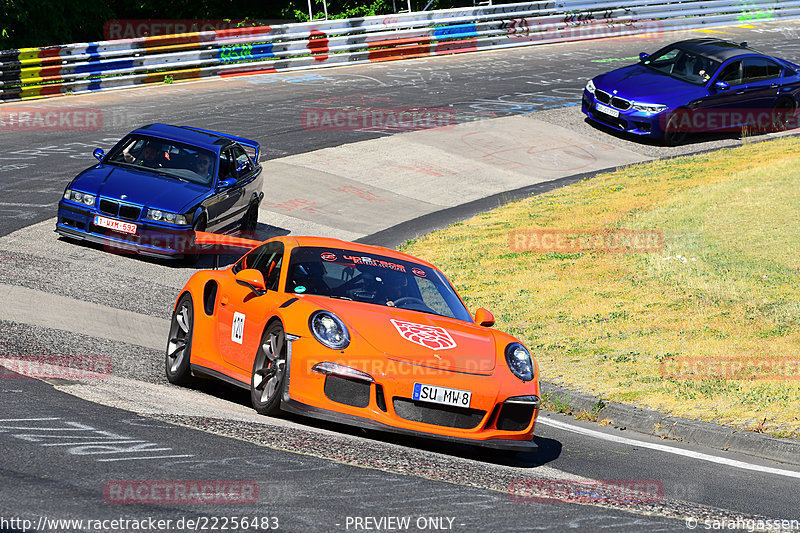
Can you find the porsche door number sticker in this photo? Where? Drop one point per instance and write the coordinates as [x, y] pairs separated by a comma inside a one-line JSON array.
[[237, 329]]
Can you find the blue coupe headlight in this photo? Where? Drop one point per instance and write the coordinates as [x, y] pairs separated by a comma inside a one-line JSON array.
[[80, 197], [519, 361], [165, 216], [650, 109], [590, 86], [329, 330]]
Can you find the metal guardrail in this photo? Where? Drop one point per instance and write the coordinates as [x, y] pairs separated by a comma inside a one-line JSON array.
[[86, 67]]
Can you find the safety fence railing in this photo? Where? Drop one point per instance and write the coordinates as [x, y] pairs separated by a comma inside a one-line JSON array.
[[84, 67]]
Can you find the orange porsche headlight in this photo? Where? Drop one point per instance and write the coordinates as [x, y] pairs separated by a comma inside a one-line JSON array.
[[329, 330]]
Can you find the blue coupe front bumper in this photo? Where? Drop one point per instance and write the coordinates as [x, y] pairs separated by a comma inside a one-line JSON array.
[[150, 239], [629, 120]]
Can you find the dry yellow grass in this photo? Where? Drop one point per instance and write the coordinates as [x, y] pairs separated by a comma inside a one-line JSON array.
[[725, 287]]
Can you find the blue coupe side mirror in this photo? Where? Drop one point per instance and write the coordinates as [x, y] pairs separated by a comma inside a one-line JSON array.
[[99, 154], [643, 56], [229, 182], [243, 167], [722, 86]]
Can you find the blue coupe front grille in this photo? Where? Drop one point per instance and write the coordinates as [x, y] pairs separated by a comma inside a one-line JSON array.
[[116, 209]]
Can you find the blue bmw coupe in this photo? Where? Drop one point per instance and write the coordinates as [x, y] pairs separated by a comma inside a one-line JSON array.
[[159, 185], [695, 85]]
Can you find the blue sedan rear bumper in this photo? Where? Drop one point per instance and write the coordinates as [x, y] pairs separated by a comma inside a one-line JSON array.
[[150, 239], [629, 121]]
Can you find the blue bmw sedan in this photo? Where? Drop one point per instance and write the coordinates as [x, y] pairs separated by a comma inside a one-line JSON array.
[[159, 185], [695, 85]]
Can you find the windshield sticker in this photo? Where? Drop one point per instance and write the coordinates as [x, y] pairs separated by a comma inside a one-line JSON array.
[[328, 256], [299, 288], [364, 260], [432, 337], [418, 272]]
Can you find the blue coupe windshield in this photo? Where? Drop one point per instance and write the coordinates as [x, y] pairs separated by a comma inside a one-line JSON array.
[[371, 278], [688, 66], [167, 158]]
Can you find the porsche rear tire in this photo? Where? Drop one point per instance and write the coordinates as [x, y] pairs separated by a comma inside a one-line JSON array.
[[269, 371], [179, 345]]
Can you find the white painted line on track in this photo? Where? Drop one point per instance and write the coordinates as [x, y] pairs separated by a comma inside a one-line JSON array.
[[18, 204], [148, 457], [25, 419], [667, 449]]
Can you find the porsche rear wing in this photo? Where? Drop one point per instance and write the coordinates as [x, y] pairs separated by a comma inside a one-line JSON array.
[[252, 147]]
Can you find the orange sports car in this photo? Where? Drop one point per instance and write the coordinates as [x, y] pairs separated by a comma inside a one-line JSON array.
[[356, 334]]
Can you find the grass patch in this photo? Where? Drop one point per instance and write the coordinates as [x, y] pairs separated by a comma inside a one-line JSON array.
[[726, 284]]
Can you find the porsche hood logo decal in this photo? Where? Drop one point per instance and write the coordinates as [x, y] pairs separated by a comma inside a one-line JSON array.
[[432, 337]]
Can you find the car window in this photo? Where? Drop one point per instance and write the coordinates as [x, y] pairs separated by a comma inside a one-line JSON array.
[[226, 165], [731, 74], [686, 65], [240, 158], [374, 279], [759, 69], [268, 259], [167, 158]]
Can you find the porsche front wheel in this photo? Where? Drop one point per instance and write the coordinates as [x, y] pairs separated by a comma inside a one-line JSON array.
[[179, 345], [269, 371]]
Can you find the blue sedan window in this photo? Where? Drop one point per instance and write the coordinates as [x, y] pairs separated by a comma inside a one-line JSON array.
[[683, 64], [167, 158]]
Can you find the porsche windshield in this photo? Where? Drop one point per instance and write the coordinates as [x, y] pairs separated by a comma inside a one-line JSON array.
[[371, 278], [167, 158], [686, 65]]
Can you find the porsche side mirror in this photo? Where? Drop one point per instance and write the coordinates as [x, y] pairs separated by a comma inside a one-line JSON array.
[[643, 56], [722, 86], [99, 154], [252, 279], [226, 183], [484, 317]]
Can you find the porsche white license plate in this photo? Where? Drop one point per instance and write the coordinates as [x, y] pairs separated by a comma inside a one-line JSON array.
[[442, 395], [116, 225], [607, 110]]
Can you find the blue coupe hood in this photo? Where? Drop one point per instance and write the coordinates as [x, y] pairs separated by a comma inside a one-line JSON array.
[[641, 84], [139, 187]]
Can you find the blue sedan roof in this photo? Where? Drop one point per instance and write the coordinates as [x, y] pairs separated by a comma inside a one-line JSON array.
[[717, 49]]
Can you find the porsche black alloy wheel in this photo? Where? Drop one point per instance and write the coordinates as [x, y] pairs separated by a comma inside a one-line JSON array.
[[269, 371], [179, 345]]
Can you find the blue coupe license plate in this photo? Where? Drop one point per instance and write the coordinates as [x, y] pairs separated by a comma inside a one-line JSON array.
[[442, 395]]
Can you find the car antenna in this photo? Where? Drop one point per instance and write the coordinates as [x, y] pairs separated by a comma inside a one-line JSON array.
[[743, 44]]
